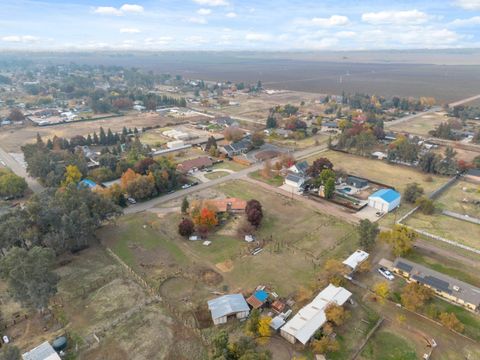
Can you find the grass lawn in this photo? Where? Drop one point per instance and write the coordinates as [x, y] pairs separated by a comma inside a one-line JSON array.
[[464, 232], [276, 180], [154, 137], [420, 125], [229, 165], [216, 175], [385, 345], [453, 199], [299, 144]]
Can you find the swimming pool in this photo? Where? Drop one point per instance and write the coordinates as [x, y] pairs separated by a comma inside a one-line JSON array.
[[346, 190]]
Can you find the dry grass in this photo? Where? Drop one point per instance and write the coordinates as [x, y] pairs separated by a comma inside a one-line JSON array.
[[422, 124]]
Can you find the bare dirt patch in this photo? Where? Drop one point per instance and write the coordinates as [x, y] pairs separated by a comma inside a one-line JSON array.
[[225, 266]]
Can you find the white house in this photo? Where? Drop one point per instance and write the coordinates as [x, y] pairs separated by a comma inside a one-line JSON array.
[[312, 317], [299, 168], [228, 305], [384, 200], [355, 259], [295, 181]]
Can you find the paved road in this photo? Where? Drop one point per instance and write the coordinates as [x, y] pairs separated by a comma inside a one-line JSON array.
[[410, 117], [300, 154], [18, 169], [463, 101]]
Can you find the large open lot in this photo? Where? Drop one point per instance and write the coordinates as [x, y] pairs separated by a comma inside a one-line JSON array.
[[11, 140], [421, 124], [460, 198]]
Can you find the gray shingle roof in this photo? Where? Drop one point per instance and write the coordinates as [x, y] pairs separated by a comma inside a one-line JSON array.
[[227, 305]]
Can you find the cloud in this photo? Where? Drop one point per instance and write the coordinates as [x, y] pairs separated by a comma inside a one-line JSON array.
[[159, 41], [211, 2], [469, 4], [334, 20], [231, 15], [466, 22], [125, 8], [197, 20], [107, 10], [129, 30], [345, 34], [204, 11], [408, 17], [195, 40], [258, 37], [20, 39], [132, 8]]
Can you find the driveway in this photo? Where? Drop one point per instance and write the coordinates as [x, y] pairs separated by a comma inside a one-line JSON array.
[[20, 170], [200, 175]]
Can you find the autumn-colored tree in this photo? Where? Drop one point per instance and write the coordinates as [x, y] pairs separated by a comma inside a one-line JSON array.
[[264, 329], [186, 227], [401, 238], [267, 169], [381, 289], [450, 321], [333, 272], [318, 165], [327, 329], [415, 295], [72, 175], [304, 295], [324, 345], [254, 212], [127, 177], [364, 267], [233, 133], [206, 217], [336, 314]]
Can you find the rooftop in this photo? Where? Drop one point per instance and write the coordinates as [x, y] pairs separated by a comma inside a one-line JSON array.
[[227, 305], [356, 259], [439, 281], [43, 351], [295, 178], [388, 195]]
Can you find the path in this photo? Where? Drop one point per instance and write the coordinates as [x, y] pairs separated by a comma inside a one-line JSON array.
[[463, 101], [18, 169], [410, 117], [200, 175]]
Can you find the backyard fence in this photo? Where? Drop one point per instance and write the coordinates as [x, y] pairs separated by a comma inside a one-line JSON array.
[[461, 217]]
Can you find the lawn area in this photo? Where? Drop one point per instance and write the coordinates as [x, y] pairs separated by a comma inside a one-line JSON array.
[[229, 165], [299, 144], [216, 175], [276, 180], [421, 124], [464, 232], [385, 345], [460, 198], [154, 137]]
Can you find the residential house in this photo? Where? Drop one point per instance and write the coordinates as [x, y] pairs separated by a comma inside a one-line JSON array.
[[473, 175], [312, 316], [43, 351], [237, 148], [192, 164], [225, 121], [299, 168], [354, 260], [223, 307], [357, 182], [295, 181], [444, 286], [384, 200]]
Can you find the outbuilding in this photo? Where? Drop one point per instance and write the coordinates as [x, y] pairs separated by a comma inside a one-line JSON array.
[[384, 200], [227, 306], [359, 183], [44, 351], [355, 259]]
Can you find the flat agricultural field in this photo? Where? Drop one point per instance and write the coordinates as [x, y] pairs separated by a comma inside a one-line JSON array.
[[11, 140], [394, 175], [459, 198], [421, 124]]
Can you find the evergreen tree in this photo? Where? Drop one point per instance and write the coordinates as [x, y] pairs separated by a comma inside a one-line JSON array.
[[103, 137], [95, 140]]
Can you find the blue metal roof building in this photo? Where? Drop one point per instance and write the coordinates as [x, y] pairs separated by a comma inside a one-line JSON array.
[[87, 183], [384, 200]]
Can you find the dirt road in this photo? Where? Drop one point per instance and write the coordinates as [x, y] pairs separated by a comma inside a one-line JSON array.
[[18, 169]]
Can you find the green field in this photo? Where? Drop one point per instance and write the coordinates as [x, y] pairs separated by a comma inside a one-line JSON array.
[[229, 165], [385, 345], [461, 198], [276, 180]]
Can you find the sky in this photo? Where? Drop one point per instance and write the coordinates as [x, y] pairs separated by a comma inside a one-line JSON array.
[[269, 25]]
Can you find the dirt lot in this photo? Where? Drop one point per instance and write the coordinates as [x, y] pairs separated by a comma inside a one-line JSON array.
[[422, 124], [12, 140]]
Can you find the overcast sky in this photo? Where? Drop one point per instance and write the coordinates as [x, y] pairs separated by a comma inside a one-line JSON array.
[[239, 24]]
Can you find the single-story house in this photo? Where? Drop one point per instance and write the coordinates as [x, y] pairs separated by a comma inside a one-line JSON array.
[[355, 259], [198, 163], [295, 181], [227, 306], [237, 148], [312, 316], [299, 168], [44, 351], [443, 285], [257, 299], [225, 121], [384, 200], [357, 182], [473, 175], [233, 205]]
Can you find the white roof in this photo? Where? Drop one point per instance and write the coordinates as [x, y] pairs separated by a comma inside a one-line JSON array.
[[227, 305], [43, 351], [356, 258], [312, 317]]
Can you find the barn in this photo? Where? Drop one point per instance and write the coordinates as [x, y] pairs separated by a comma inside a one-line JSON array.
[[384, 200]]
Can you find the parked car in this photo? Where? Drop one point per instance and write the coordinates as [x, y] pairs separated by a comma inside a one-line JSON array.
[[208, 170], [194, 183], [386, 273], [379, 213], [131, 200], [186, 186]]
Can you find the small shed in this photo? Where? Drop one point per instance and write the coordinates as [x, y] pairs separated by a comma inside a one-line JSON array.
[[355, 259], [228, 305], [257, 299], [277, 322], [44, 351]]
